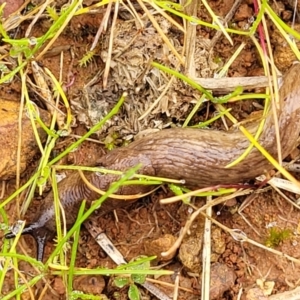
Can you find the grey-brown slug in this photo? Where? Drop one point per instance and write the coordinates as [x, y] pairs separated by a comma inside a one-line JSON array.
[[196, 156]]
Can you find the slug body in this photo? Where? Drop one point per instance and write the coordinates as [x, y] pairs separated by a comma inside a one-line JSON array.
[[199, 157]]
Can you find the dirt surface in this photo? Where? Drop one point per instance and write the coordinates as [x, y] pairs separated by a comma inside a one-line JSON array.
[[148, 227]]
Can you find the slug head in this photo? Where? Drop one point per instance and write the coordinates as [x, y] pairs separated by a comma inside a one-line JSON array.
[[41, 236]]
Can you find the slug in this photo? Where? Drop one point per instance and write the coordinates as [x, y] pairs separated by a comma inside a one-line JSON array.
[[197, 156]]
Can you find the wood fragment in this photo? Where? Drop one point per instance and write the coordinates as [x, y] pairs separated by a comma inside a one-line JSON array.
[[228, 84]]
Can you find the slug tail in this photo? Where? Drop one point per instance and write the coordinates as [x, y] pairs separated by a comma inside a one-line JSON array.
[[41, 241], [40, 235]]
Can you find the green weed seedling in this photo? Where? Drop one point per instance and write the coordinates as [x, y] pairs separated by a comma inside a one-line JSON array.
[[276, 236], [139, 263]]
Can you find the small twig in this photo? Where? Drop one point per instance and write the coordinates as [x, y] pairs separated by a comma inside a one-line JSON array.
[[59, 31], [229, 84], [227, 18], [15, 19], [206, 253], [171, 285], [110, 45], [41, 84], [176, 286], [75, 136], [173, 199], [3, 189], [163, 36], [131, 219], [37, 16], [104, 242], [115, 196], [159, 10], [25, 281], [238, 235], [275, 91], [195, 214], [152, 106], [103, 26], [190, 37], [289, 295], [279, 183], [245, 204], [134, 13], [20, 126]]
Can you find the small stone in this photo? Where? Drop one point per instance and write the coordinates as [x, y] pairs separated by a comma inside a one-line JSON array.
[[256, 294], [59, 286], [243, 13], [11, 6], [9, 134], [162, 244], [222, 278], [89, 284]]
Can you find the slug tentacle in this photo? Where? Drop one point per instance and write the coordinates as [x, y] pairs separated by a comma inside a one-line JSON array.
[[197, 156]]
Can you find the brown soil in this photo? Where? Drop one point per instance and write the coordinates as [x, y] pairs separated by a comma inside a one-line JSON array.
[[147, 227]]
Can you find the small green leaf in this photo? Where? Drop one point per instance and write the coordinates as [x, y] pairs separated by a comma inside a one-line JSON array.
[[110, 146], [45, 173], [178, 191], [144, 265], [52, 13], [133, 292], [238, 91], [277, 236], [139, 278], [121, 281]]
